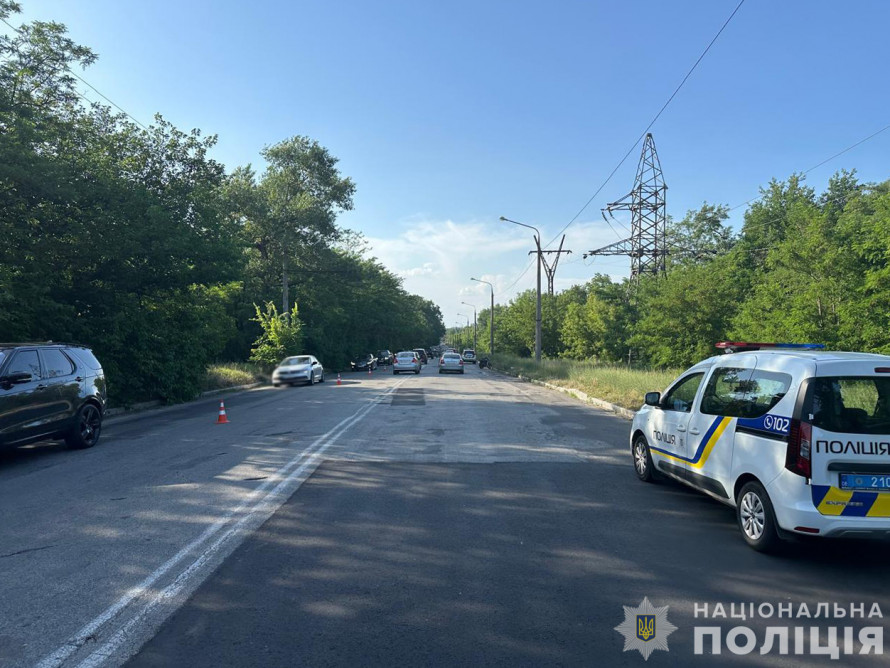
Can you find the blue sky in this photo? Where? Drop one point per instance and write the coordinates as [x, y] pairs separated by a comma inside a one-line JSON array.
[[450, 115]]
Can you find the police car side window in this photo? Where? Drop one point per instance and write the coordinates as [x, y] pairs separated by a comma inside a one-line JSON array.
[[767, 389], [682, 395], [745, 393]]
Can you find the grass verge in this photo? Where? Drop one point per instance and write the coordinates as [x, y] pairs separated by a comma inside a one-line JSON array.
[[232, 374], [615, 384]]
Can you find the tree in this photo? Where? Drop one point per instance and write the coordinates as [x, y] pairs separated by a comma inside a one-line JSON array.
[[683, 314], [700, 236], [291, 212]]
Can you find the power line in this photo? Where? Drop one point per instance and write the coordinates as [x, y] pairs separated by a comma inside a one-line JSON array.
[[648, 127], [519, 278], [836, 155], [87, 83]]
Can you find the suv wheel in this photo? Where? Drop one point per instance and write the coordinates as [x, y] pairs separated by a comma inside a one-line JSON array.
[[757, 520], [87, 428], [643, 466]]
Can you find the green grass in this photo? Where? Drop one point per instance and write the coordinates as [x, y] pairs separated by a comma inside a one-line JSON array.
[[232, 374], [616, 384]]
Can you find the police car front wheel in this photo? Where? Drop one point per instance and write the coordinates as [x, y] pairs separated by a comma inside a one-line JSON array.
[[642, 460], [756, 517]]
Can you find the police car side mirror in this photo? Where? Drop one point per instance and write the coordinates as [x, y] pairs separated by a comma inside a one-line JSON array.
[[652, 398]]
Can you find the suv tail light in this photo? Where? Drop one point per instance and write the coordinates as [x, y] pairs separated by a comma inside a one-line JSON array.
[[798, 456], [461, 362]]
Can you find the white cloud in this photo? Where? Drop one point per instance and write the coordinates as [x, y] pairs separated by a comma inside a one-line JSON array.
[[436, 259], [427, 269]]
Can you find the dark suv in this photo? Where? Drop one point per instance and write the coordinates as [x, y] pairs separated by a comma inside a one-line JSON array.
[[50, 391]]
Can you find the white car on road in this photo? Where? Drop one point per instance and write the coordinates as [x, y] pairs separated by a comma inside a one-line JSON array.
[[298, 369], [407, 360], [795, 438]]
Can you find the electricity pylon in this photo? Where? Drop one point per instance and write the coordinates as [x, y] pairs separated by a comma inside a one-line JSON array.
[[646, 246]]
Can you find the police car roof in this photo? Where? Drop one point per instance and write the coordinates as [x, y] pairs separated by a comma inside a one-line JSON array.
[[814, 355]]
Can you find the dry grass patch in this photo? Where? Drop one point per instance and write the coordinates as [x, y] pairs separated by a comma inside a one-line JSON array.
[[233, 374], [616, 384]]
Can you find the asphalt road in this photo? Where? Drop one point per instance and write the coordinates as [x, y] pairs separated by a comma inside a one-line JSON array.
[[412, 520]]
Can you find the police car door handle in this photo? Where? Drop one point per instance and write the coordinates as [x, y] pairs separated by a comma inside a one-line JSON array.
[[694, 431], [681, 428]]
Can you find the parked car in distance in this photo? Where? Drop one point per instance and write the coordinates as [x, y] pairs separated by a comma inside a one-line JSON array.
[[407, 360], [298, 369], [50, 391], [421, 353], [469, 356], [364, 362], [451, 362], [384, 357]]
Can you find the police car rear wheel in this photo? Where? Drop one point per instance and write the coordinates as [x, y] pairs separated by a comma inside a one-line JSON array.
[[756, 518], [643, 460]]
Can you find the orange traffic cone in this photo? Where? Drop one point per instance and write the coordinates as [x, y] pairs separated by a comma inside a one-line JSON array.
[[338, 380], [222, 419]]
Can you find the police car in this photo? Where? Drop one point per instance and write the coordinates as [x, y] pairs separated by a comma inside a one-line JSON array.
[[796, 438]]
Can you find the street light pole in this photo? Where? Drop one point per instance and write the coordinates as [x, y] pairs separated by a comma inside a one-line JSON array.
[[475, 331], [468, 326], [538, 311], [491, 317]]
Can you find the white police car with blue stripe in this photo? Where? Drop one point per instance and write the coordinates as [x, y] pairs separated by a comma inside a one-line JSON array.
[[796, 438]]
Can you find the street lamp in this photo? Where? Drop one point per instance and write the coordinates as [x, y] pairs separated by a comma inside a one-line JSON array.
[[491, 317], [538, 312], [468, 327], [475, 332], [457, 329]]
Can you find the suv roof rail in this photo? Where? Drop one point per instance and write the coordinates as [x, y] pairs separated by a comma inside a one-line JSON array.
[[16, 344]]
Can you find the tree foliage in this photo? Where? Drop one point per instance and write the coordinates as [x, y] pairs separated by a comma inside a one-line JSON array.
[[136, 242], [803, 268]]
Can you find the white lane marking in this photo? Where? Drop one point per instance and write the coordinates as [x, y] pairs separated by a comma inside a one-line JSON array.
[[322, 443]]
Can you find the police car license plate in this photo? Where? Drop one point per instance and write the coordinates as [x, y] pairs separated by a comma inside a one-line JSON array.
[[865, 481]]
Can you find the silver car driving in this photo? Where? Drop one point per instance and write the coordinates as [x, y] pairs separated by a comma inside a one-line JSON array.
[[298, 369], [406, 361], [451, 362]]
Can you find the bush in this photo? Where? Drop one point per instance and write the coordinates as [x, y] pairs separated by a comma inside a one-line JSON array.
[[282, 335]]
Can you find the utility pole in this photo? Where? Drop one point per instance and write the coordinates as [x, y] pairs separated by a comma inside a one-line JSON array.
[[475, 331], [551, 271], [538, 310], [491, 317], [468, 325]]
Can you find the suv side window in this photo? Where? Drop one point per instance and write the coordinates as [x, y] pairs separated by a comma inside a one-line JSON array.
[[25, 361], [744, 393], [682, 395], [55, 363]]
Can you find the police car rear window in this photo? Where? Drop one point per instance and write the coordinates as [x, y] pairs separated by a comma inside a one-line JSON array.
[[849, 404], [745, 393]]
